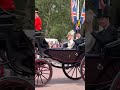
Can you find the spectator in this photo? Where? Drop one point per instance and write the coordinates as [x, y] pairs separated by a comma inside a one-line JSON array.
[[38, 21]]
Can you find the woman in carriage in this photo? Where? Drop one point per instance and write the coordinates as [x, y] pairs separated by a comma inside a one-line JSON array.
[[74, 43]]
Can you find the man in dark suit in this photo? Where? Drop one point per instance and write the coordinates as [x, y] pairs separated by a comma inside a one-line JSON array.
[[107, 35], [78, 40]]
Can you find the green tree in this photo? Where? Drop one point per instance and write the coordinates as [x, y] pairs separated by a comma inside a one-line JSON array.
[[25, 14], [54, 13], [56, 17]]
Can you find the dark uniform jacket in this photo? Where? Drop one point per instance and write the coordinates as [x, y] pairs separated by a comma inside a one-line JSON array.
[[104, 37], [78, 42]]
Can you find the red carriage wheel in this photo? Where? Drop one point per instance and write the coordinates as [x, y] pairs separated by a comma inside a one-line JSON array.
[[116, 83], [43, 72], [82, 68], [14, 83]]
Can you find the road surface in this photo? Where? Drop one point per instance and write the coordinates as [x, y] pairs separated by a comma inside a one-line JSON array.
[[60, 82]]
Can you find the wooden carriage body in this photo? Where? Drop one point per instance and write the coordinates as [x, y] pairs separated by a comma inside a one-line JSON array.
[[103, 68]]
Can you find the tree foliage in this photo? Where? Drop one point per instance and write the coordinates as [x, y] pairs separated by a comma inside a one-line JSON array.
[[56, 17], [25, 14]]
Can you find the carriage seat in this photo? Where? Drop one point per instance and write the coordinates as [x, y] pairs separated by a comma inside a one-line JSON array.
[[81, 46], [64, 49], [93, 55], [6, 28], [113, 48], [113, 44]]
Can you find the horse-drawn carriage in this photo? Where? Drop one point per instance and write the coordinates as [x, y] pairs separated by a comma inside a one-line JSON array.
[[68, 59]]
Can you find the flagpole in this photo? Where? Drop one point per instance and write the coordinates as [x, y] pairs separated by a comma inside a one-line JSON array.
[[78, 9]]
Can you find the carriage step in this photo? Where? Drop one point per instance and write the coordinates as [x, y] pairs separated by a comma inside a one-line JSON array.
[[6, 25], [6, 19], [5, 28], [6, 16]]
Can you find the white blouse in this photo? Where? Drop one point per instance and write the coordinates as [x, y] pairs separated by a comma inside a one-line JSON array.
[[71, 43]]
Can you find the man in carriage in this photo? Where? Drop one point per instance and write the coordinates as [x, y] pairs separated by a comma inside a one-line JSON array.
[[105, 36], [102, 58]]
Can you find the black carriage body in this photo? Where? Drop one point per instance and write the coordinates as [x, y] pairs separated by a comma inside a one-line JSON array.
[[66, 55], [102, 68], [62, 55], [101, 72]]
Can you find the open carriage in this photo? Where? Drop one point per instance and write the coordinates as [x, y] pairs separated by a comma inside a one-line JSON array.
[[69, 59]]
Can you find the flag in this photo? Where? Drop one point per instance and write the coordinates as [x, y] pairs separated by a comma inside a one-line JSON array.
[[74, 11], [82, 17], [77, 25]]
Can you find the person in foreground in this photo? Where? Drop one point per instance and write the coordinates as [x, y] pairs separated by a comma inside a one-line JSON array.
[[105, 36]]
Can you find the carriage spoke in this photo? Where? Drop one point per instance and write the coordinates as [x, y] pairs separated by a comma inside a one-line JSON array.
[[41, 79], [37, 79], [82, 69], [44, 77], [46, 69], [73, 72], [70, 70], [76, 72], [79, 69], [45, 73], [35, 76]]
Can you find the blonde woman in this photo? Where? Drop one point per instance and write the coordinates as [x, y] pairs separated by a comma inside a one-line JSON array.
[[70, 37]]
